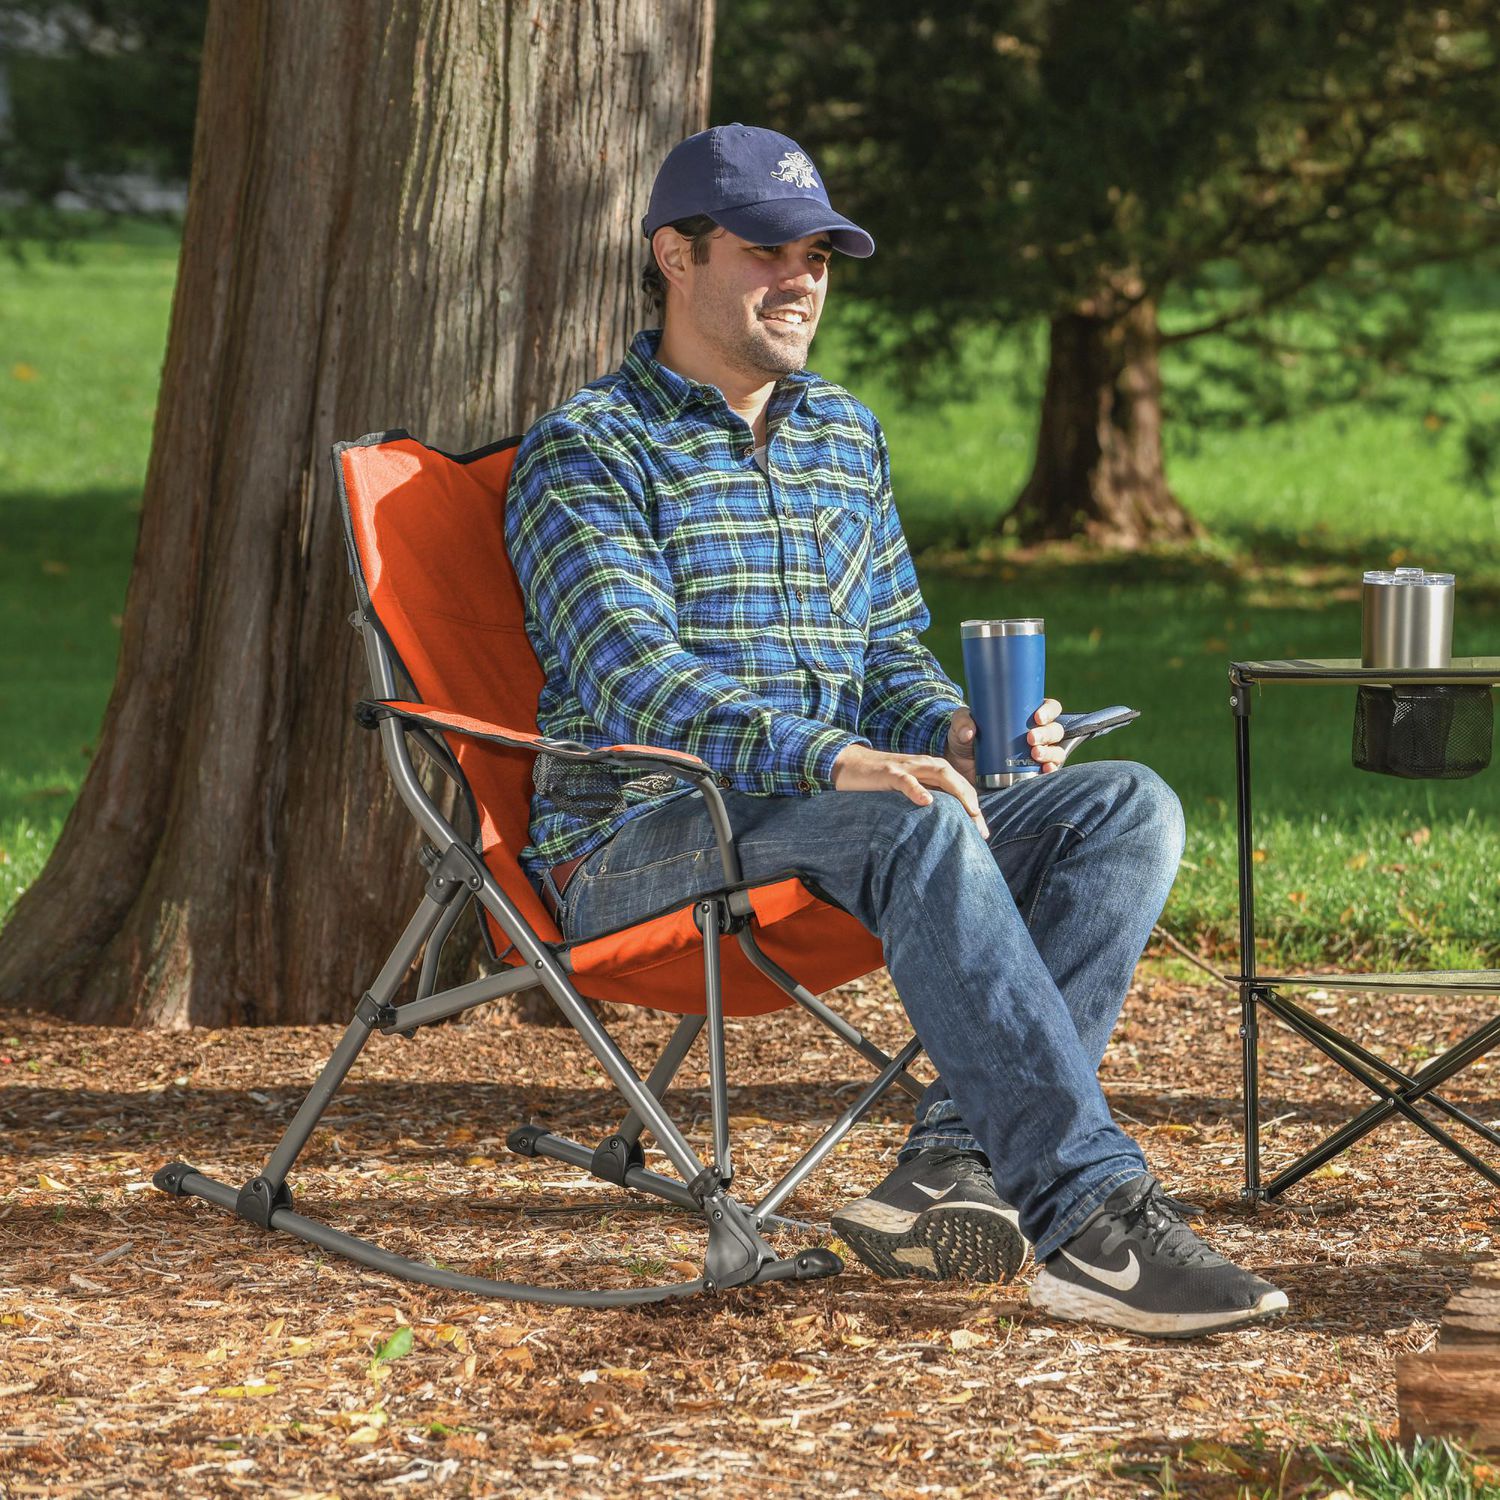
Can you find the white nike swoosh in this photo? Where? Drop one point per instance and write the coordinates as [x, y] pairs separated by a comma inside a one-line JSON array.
[[933, 1192], [1121, 1281]]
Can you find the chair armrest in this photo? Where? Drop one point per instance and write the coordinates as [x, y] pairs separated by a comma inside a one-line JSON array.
[[369, 712]]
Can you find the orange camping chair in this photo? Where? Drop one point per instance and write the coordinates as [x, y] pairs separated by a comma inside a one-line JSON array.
[[439, 603]]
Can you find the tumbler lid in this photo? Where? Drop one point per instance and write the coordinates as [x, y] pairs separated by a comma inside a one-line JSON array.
[[972, 628], [1410, 576]]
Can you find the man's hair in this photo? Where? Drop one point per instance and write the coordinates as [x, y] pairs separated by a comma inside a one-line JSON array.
[[698, 230]]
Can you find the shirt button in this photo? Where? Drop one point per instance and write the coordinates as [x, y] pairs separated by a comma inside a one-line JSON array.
[[804, 786], [797, 592], [722, 780]]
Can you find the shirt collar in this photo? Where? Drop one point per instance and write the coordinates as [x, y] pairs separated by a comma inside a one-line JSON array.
[[669, 394]]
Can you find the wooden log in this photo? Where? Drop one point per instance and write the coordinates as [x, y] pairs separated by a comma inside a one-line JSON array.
[[1451, 1393], [1454, 1391], [1472, 1318]]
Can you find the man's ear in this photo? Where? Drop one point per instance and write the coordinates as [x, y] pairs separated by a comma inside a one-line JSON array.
[[673, 253]]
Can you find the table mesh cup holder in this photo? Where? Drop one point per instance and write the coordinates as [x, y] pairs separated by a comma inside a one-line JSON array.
[[1429, 733]]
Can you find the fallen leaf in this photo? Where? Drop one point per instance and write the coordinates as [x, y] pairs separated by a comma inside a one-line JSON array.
[[396, 1346], [247, 1390], [50, 1183], [967, 1338], [1215, 1455]]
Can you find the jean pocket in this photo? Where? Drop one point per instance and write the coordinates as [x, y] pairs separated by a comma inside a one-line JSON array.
[[844, 541]]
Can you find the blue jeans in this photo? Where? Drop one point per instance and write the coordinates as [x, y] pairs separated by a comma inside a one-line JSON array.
[[1012, 958]]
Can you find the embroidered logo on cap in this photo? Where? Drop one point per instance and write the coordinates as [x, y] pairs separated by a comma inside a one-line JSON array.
[[796, 169]]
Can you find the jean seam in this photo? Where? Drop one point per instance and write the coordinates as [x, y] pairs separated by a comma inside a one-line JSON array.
[[1046, 874], [602, 873]]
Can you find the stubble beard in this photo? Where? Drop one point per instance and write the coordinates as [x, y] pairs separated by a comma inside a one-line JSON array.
[[757, 351]]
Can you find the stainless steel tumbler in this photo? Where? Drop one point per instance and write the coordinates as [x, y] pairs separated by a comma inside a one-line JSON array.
[[1408, 619]]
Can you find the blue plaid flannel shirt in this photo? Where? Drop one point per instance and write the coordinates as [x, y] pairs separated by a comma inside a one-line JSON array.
[[677, 595]]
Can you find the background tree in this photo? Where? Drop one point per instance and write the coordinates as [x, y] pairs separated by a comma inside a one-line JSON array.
[[1279, 171], [96, 96], [413, 212]]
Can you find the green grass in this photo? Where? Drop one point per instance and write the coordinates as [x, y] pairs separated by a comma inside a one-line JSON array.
[[1365, 1466], [1376, 1468], [83, 342], [1355, 868]]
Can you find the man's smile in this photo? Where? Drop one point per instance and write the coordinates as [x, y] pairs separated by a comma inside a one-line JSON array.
[[795, 316]]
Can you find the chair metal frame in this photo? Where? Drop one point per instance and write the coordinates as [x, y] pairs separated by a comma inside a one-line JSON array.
[[736, 1255]]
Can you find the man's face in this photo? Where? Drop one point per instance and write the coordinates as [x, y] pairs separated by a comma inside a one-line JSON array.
[[757, 306]]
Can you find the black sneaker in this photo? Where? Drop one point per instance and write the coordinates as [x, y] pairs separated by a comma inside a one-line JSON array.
[[937, 1217], [1137, 1265]]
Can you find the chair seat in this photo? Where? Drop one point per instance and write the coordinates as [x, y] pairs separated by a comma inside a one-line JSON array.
[[659, 962]]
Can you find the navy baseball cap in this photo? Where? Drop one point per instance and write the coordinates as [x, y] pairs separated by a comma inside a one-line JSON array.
[[755, 183]]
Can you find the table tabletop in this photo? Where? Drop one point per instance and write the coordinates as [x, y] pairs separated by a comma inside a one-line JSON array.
[[1469, 670]]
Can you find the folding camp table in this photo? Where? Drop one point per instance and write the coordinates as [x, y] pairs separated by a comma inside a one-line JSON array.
[[1397, 1092]]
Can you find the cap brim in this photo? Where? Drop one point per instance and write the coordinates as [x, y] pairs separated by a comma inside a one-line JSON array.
[[778, 220]]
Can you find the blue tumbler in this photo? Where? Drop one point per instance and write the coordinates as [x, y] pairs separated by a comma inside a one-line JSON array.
[[1005, 665]]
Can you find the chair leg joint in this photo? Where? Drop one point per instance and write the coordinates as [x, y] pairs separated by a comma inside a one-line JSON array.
[[522, 1140], [457, 870], [614, 1157], [169, 1178], [373, 1013], [706, 1185], [736, 1252], [729, 922], [260, 1198]]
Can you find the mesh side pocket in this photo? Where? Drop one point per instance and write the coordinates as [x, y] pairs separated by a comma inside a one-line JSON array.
[[1424, 733], [591, 791]]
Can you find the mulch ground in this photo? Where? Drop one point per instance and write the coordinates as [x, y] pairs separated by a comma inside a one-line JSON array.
[[155, 1344]]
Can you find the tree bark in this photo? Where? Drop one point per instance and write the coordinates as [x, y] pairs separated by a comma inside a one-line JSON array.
[[1098, 472], [415, 213]]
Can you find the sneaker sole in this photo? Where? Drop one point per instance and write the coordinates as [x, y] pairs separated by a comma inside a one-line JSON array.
[[954, 1242], [1063, 1299]]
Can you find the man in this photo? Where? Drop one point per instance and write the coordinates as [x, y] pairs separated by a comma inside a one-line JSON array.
[[712, 562]]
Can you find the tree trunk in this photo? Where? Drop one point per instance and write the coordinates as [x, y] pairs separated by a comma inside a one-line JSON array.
[[416, 213], [1098, 471]]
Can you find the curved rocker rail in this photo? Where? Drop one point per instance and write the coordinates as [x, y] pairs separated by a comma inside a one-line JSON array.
[[183, 1182]]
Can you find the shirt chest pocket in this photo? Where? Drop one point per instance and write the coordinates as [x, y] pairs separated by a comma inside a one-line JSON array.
[[844, 541]]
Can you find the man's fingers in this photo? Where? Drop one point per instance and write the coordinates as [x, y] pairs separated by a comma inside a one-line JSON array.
[[1047, 712]]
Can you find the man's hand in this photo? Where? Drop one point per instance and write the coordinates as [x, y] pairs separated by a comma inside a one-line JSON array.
[[1045, 740], [862, 769]]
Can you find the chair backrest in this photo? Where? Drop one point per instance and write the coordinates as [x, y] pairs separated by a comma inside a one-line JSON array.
[[427, 550]]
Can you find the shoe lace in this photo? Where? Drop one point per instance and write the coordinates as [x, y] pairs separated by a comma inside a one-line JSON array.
[[969, 1164], [1161, 1222]]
